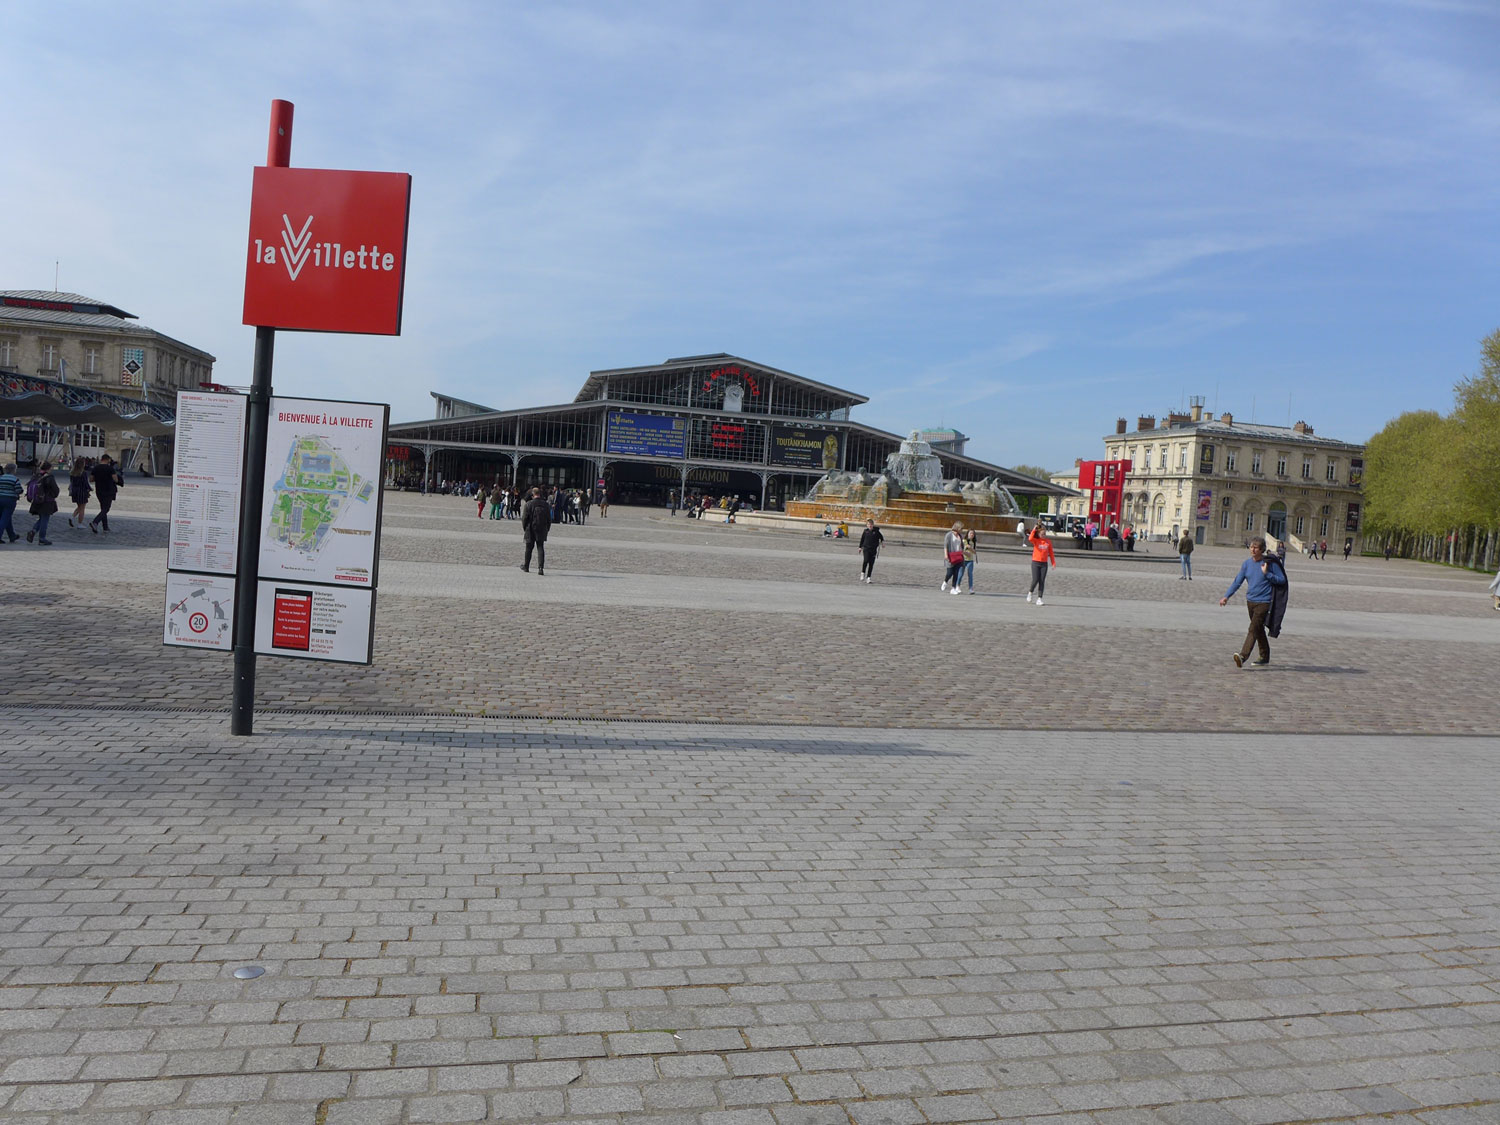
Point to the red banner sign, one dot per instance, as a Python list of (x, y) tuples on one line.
[(327, 250)]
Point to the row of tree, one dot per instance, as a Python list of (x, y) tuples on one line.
[(1432, 481)]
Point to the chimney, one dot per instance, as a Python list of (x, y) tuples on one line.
[(1209, 416), (1120, 425), (1145, 422), (1175, 419), (1303, 428), (1227, 418), (1196, 406)]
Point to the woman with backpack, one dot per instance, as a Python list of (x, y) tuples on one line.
[(42, 492), (79, 491)]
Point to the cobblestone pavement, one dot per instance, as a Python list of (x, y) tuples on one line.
[(645, 617), (465, 919), (823, 908)]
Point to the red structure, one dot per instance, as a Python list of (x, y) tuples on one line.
[(1105, 483)]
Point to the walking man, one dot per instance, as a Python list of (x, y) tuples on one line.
[(536, 522), (107, 481), (1260, 575), (869, 546)]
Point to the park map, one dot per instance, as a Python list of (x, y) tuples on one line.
[(315, 488)]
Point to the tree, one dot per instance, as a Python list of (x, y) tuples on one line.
[(1032, 505)]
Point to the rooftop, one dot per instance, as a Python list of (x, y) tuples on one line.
[(74, 310), (1243, 431)]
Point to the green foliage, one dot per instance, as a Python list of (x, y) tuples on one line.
[(1431, 479), (1032, 505)]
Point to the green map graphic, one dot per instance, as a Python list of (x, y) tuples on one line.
[(315, 488)]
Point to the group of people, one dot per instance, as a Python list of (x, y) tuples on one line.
[(564, 505), (960, 553), (698, 507), (1121, 539), (87, 480)]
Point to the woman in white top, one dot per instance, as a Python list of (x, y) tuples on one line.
[(953, 556)]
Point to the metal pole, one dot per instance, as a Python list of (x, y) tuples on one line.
[(242, 715)]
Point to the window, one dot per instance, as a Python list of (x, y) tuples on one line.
[(1327, 509), (50, 355), (1307, 468), (1301, 522), (7, 352), (1161, 458), (1224, 521), (1324, 530), (1177, 512), (1333, 470), (1281, 464), (1249, 521), (1255, 462), (1182, 459), (93, 359), (1229, 459)]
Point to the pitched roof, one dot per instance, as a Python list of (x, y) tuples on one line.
[(74, 310), (1243, 431), (591, 384)]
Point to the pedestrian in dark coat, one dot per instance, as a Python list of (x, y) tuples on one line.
[(535, 524), (107, 481), (43, 502)]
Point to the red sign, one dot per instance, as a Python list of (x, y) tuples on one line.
[(291, 623), (327, 250)]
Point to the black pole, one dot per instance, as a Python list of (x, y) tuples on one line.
[(242, 717)]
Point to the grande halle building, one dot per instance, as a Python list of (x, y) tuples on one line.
[(715, 424)]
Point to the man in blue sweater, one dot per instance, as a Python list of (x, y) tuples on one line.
[(1258, 575)]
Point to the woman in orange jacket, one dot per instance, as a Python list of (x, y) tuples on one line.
[(1041, 558)]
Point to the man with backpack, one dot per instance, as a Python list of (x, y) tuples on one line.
[(536, 522), (42, 493)]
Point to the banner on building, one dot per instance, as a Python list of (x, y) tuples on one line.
[(645, 435), (1356, 472), (797, 447), (1351, 520), (132, 367), (1205, 503)]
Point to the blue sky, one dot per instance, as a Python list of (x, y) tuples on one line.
[(1020, 219)]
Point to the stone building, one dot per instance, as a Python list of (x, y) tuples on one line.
[(1228, 480), (77, 374)]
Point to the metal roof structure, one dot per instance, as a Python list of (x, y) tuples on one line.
[(41, 307), (66, 404), (593, 384)]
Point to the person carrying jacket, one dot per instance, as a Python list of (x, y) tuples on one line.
[(536, 522), (1260, 575), (1042, 557)]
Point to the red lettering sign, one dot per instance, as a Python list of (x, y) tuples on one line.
[(327, 250)]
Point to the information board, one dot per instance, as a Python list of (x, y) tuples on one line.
[(648, 435), (320, 518), (802, 448), (208, 463), (200, 611), (314, 622)]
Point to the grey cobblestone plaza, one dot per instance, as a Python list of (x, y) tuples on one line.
[(697, 828)]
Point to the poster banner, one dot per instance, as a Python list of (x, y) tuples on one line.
[(200, 611), (208, 463), (132, 367), (646, 435), (1351, 518), (1356, 471), (315, 622), (320, 519), (800, 448), (1205, 503)]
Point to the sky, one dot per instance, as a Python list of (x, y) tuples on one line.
[(1020, 219)]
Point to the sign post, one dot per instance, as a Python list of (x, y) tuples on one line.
[(242, 714), (326, 253)]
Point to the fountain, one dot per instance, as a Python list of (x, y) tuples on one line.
[(911, 492)]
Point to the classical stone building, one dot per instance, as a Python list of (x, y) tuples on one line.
[(1227, 480), (77, 374)]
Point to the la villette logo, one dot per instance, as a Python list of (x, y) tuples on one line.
[(297, 249)]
